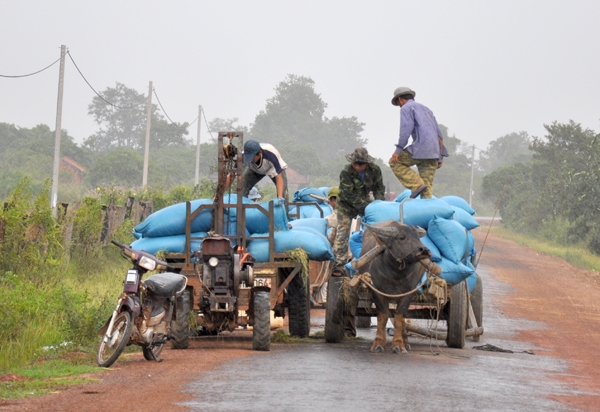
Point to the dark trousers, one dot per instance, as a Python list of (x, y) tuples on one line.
[(250, 178)]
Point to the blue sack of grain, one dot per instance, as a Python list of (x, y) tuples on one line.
[(304, 195), (414, 212), (312, 242), (173, 244), (436, 256), (465, 219), (404, 195), (325, 191), (454, 273), (450, 237), (310, 211), (472, 250), (136, 235), (316, 223), (355, 243), (471, 280), (258, 222), (231, 198), (459, 202), (171, 220)]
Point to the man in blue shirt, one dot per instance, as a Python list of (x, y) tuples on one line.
[(427, 149)]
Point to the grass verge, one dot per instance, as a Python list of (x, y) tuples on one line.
[(43, 377), (577, 255)]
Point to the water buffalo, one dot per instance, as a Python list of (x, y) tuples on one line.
[(394, 271)]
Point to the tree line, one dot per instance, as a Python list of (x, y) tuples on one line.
[(293, 120)]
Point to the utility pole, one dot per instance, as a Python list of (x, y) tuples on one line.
[(472, 172), (147, 148), (197, 175), (61, 83)]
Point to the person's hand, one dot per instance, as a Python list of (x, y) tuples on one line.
[(440, 164), (394, 158)]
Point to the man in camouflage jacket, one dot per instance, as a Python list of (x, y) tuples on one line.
[(357, 181)]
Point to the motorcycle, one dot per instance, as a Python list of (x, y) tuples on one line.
[(144, 311)]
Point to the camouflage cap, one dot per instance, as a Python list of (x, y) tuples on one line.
[(360, 155)]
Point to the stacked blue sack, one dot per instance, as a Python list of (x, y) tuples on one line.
[(448, 221), (314, 243), (164, 230)]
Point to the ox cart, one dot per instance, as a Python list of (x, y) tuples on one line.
[(434, 300)]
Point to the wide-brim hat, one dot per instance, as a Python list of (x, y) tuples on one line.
[(251, 149), (360, 155), (402, 91)]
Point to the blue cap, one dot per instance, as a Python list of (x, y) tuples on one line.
[(251, 149)]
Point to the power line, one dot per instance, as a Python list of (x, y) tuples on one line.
[(31, 74), (206, 123), (165, 112), (98, 94)]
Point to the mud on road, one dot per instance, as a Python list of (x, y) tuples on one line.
[(532, 302)]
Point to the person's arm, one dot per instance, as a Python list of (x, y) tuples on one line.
[(279, 185), (378, 187)]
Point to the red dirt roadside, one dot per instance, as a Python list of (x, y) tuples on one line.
[(546, 289)]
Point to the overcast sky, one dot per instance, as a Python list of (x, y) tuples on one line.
[(485, 68)]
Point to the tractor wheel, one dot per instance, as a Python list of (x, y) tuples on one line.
[(180, 326), (299, 307), (477, 304), (457, 316), (334, 333), (261, 331)]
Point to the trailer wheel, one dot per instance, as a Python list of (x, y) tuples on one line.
[(299, 307), (363, 322), (334, 333), (261, 331), (457, 316), (477, 304), (180, 326)]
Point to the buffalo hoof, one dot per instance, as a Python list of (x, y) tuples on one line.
[(407, 346), (397, 350), (377, 349)]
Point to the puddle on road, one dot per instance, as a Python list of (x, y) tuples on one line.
[(317, 376)]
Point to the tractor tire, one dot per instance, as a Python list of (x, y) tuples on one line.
[(180, 326), (363, 322), (261, 331), (298, 307), (334, 333), (477, 304), (457, 316), (109, 351)]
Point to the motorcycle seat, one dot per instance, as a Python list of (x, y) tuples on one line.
[(165, 284)]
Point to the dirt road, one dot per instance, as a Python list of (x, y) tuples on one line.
[(532, 302)]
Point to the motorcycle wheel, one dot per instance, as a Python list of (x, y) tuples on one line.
[(110, 349), (156, 350)]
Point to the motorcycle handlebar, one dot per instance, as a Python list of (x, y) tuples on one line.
[(139, 253)]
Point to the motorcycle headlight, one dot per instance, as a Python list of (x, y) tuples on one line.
[(213, 261), (147, 263)]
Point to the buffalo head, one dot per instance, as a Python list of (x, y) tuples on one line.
[(401, 240)]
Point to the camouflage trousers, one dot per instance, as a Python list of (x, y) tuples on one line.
[(340, 245), (411, 179)]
